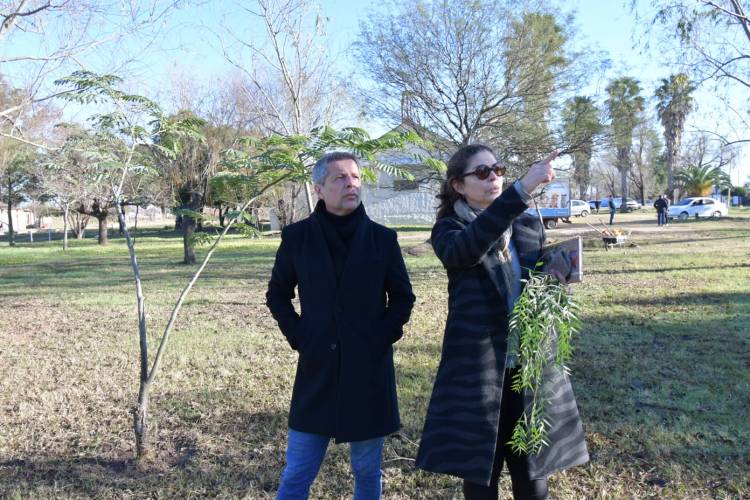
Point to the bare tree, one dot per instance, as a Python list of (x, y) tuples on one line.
[(492, 71), (714, 36), (43, 40), (605, 175), (289, 82), (648, 170), (710, 40)]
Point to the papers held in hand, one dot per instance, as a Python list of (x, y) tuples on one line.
[(564, 260)]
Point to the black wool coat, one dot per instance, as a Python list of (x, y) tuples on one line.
[(345, 384), (461, 427)]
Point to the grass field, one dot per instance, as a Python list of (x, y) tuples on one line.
[(660, 370)]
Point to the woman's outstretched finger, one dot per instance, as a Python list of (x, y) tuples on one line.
[(554, 154)]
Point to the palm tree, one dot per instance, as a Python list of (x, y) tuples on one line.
[(675, 103), (699, 180), (625, 105), (581, 124)]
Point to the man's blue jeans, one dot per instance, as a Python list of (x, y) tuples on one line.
[(305, 453)]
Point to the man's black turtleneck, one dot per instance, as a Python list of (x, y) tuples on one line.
[(339, 231)]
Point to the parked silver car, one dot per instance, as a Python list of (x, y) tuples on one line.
[(697, 207), (630, 203), (579, 208)]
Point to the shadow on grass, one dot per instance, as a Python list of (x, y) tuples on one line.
[(660, 270), (697, 240), (665, 385), (248, 465), (725, 299)]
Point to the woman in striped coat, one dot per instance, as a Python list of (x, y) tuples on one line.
[(486, 243)]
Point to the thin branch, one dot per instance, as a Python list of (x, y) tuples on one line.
[(26, 141), (10, 19), (189, 286)]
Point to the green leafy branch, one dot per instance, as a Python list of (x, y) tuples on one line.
[(297, 154), (542, 325)]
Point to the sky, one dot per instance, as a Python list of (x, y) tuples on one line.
[(190, 48)]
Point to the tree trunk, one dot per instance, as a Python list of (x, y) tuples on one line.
[(222, 215), (624, 155), (188, 227), (308, 197), (140, 412), (119, 221), (65, 228), (670, 173), (11, 233), (103, 237), (729, 197), (140, 422)]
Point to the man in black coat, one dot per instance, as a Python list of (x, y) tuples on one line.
[(355, 297), (662, 206)]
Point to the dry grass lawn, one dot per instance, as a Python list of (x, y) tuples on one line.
[(660, 370)]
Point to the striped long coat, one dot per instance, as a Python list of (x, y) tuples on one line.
[(461, 428)]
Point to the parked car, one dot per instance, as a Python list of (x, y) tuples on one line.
[(697, 207), (630, 203), (579, 208)]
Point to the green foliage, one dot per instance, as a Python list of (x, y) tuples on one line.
[(740, 191), (116, 151), (230, 187), (248, 230), (625, 105), (193, 214), (295, 155), (674, 101), (580, 125), (17, 178), (201, 239), (543, 322), (174, 134), (530, 433), (699, 180), (86, 87)]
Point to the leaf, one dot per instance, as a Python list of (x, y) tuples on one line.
[(200, 239), (193, 214), (540, 330)]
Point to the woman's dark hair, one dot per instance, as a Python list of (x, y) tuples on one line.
[(456, 166)]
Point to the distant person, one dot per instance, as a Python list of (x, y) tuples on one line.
[(661, 205), (355, 297), (597, 204), (612, 209)]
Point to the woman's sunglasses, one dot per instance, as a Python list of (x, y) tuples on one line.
[(483, 171)]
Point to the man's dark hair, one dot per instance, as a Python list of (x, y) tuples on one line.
[(320, 170)]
